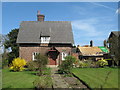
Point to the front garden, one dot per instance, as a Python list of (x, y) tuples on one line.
[(22, 79), (76, 74), (32, 74), (91, 74)]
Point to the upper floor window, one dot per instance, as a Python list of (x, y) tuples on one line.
[(45, 39)]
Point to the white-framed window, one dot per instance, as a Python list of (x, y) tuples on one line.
[(64, 54), (33, 55), (45, 39)]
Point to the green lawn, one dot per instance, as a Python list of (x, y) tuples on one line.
[(95, 77), (22, 79), (0, 79)]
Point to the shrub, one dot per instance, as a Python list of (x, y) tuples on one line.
[(47, 71), (18, 64), (76, 63), (32, 65), (42, 62), (43, 82), (83, 64), (102, 63), (87, 63), (67, 64)]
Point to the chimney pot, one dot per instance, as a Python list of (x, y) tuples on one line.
[(38, 12), (40, 17)]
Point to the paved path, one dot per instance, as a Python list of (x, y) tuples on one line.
[(58, 82)]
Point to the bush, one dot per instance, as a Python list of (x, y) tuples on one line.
[(47, 71), (18, 64), (43, 82), (76, 63), (42, 62), (32, 65), (82, 64), (67, 64), (101, 63), (87, 63)]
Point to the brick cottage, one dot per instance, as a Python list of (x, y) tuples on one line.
[(51, 38)]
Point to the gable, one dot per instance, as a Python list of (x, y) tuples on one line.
[(114, 33)]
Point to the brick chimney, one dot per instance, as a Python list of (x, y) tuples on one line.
[(40, 17), (105, 43), (91, 43)]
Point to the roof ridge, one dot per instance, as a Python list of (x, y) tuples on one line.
[(46, 21)]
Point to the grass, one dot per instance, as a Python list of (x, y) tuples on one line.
[(95, 77), (22, 79), (0, 79)]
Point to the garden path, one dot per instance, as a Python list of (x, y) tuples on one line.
[(58, 82)]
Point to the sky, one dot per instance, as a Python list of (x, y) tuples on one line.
[(90, 20)]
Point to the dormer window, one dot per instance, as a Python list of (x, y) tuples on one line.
[(45, 39)]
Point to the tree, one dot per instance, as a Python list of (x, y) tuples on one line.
[(3, 51), (3, 38), (11, 43), (42, 62)]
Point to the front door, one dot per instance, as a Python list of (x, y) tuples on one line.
[(53, 57)]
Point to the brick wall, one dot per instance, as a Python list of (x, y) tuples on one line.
[(26, 52)]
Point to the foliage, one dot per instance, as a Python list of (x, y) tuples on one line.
[(47, 71), (90, 63), (87, 63), (67, 64), (76, 63), (11, 43), (107, 59), (4, 59), (102, 63), (32, 65), (43, 82), (3, 38), (83, 64), (42, 62), (18, 64)]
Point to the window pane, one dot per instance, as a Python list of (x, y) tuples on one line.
[(45, 39)]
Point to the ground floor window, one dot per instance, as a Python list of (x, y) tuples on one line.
[(64, 54), (34, 54)]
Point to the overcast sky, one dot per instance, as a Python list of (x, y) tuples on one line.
[(90, 20)]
